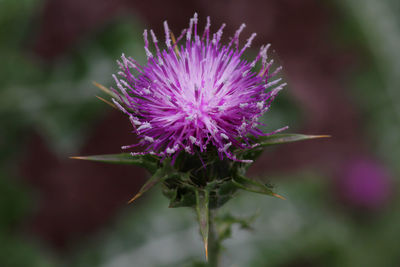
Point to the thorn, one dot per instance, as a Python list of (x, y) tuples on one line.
[(261, 72), (103, 88), (174, 44), (321, 136), (206, 249), (278, 196), (134, 198), (79, 157), (107, 102)]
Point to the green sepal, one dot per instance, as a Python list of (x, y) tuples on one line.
[(148, 162), (179, 189), (221, 192), (203, 215), (183, 198), (253, 186)]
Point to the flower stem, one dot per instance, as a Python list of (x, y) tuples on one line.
[(214, 246)]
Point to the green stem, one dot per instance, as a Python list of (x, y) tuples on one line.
[(214, 247)]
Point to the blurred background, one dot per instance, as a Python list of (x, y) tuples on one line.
[(342, 63)]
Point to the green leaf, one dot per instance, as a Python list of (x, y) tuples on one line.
[(202, 199), (157, 177), (253, 186), (146, 161), (286, 138), (275, 139)]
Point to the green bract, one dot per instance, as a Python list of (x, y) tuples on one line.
[(203, 182)]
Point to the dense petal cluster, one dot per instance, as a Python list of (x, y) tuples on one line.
[(197, 94)]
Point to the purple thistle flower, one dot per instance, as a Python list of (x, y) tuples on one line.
[(202, 93)]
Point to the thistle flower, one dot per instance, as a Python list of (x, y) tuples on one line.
[(189, 97), (192, 98)]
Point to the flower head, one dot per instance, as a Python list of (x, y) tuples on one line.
[(190, 96)]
